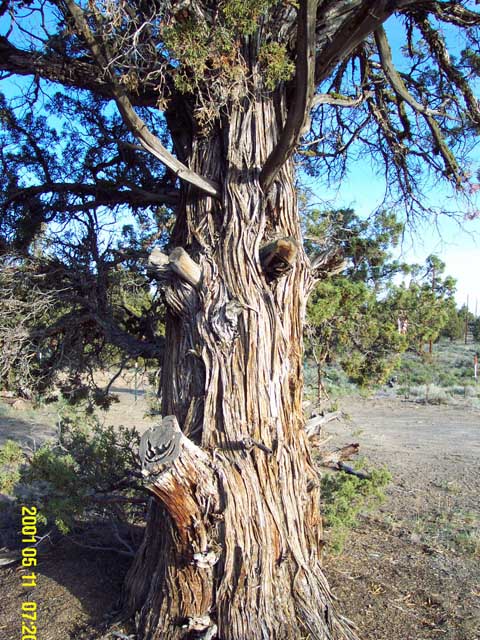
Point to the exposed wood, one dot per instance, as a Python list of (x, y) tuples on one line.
[(314, 425), (332, 458), (278, 257), (152, 144), (185, 267), (157, 264), (304, 90), (318, 443), (160, 445), (340, 101), (328, 262)]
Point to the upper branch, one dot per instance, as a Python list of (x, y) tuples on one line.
[(340, 101), (304, 89), (399, 87), (452, 12), (147, 139), (341, 28), (66, 71)]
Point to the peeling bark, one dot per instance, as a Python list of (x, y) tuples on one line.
[(245, 562)]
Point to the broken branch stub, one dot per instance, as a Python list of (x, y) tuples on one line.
[(181, 263), (181, 475), (177, 262), (278, 257), (157, 264), (160, 445)]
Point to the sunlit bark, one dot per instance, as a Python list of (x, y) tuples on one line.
[(233, 378)]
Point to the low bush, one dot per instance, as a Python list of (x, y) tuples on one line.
[(90, 476), (345, 497)]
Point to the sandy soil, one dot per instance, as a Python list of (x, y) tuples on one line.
[(410, 571)]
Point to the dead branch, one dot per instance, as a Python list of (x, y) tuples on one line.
[(353, 472), (332, 458), (314, 425)]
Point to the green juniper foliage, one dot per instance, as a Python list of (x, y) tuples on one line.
[(91, 474), (345, 497), (11, 458)]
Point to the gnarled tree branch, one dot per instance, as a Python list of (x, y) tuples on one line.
[(137, 126), (340, 101), (304, 90), (102, 192), (399, 87), (66, 71), (342, 28)]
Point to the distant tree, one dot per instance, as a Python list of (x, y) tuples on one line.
[(476, 329), (200, 107), (348, 318), (454, 328), (425, 302)]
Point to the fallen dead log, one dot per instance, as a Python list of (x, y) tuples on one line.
[(315, 424), (333, 458)]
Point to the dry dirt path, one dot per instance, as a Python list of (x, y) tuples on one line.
[(411, 571)]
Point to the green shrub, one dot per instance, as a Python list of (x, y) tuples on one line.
[(344, 497), (11, 457), (91, 474)]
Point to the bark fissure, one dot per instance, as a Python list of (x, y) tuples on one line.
[(245, 330)]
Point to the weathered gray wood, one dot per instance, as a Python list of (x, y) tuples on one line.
[(314, 425), (181, 263), (157, 264), (160, 445)]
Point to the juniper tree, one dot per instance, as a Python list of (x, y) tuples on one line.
[(200, 107)]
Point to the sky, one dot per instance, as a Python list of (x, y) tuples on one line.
[(455, 242)]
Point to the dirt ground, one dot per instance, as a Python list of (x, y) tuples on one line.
[(409, 571)]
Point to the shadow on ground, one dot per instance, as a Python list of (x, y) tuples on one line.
[(24, 432)]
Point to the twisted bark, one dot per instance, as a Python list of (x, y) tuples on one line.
[(244, 562)]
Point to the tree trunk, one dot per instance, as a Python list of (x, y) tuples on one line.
[(233, 540)]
